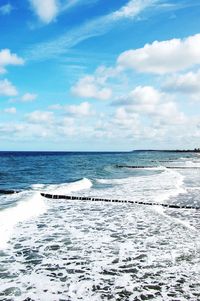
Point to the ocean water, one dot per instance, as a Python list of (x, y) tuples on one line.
[(72, 250)]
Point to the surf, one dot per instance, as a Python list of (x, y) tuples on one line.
[(30, 204)]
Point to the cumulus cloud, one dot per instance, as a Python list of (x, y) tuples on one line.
[(6, 9), (187, 83), (145, 95), (89, 87), (11, 128), (84, 109), (25, 131), (163, 57), (40, 117), (126, 119), (46, 10), (159, 106), (11, 110), (7, 88), (27, 97), (8, 58)]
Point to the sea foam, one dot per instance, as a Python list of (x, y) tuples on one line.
[(31, 204)]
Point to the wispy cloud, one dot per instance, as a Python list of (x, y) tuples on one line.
[(92, 28), (11, 110), (132, 9), (67, 4), (6, 9)]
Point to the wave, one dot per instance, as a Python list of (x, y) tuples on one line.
[(192, 162), (175, 187), (64, 188), (157, 187), (31, 204)]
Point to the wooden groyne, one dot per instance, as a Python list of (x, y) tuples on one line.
[(5, 191), (150, 166), (80, 198)]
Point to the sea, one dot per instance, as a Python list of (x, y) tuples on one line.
[(70, 250)]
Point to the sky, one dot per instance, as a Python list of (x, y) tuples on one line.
[(96, 75)]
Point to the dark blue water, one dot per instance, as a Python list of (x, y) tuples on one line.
[(75, 250), (18, 170)]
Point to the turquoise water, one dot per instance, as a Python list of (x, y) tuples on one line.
[(77, 250)]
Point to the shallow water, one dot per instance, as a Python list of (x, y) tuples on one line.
[(78, 250)]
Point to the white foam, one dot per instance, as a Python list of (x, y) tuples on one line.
[(175, 179), (86, 250), (185, 224), (113, 181), (194, 188), (190, 163), (156, 188), (37, 186), (31, 205), (65, 187)]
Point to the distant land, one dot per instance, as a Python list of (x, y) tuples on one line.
[(196, 150)]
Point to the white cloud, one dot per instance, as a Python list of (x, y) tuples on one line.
[(11, 128), (7, 88), (2, 70), (163, 57), (8, 58), (27, 97), (88, 87), (40, 117), (145, 95), (149, 102), (46, 10), (84, 109), (6, 9), (67, 4), (126, 119), (68, 122), (56, 106), (11, 110), (25, 131), (187, 83), (132, 8), (92, 28)]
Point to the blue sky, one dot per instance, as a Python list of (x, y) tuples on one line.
[(99, 75)]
